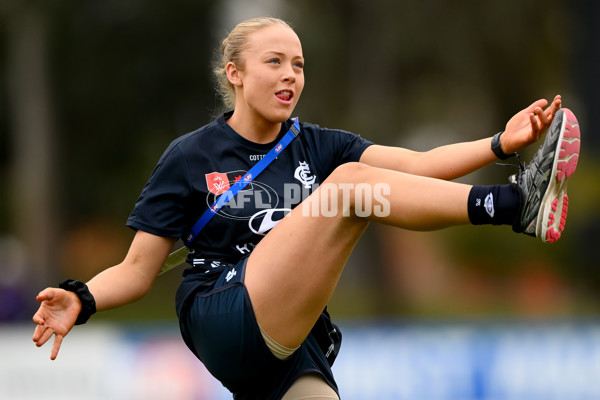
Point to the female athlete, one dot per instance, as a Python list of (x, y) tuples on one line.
[(252, 304)]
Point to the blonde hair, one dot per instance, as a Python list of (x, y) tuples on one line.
[(231, 50)]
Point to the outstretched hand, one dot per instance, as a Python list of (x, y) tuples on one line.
[(528, 125), (56, 316)]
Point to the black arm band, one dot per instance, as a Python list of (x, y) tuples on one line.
[(88, 304), (497, 148)]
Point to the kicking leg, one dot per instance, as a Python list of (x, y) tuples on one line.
[(293, 271)]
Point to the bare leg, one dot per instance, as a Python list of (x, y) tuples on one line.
[(310, 387), (294, 270)]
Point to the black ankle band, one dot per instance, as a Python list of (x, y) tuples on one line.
[(496, 205)]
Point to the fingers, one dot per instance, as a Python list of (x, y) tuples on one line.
[(543, 117), (557, 102), (548, 114), (37, 318), (56, 346), (42, 331), (541, 103), (45, 295), (535, 126), (555, 106), (45, 336), (41, 335), (37, 333)]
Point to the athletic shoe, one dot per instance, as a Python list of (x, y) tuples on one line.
[(543, 182)]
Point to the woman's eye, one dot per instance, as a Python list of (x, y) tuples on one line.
[(274, 61), (299, 64)]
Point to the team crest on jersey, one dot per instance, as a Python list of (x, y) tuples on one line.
[(305, 175), (217, 182), (220, 182)]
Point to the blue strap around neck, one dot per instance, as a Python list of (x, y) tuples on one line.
[(243, 181)]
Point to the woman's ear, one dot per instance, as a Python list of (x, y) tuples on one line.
[(233, 74)]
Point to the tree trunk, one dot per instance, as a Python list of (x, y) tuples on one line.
[(33, 205)]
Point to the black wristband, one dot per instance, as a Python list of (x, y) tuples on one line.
[(88, 304), (497, 148)]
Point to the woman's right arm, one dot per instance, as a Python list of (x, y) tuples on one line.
[(116, 286), (131, 279)]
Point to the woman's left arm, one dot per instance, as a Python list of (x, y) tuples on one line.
[(456, 160)]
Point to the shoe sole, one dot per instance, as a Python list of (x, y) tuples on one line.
[(555, 203)]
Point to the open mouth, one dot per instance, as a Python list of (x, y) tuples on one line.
[(285, 95)]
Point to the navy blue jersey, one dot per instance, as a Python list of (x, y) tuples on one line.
[(200, 165), (193, 171)]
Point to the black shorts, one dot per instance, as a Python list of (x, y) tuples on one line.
[(218, 324)]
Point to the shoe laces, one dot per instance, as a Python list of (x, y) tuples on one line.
[(520, 166)]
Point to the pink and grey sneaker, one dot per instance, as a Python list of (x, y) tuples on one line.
[(543, 182)]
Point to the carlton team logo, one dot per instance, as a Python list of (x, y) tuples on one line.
[(305, 175)]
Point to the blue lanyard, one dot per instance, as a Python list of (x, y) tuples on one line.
[(243, 181)]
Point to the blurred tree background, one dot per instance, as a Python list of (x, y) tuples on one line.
[(93, 92)]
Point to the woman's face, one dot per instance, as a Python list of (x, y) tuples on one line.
[(271, 79)]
